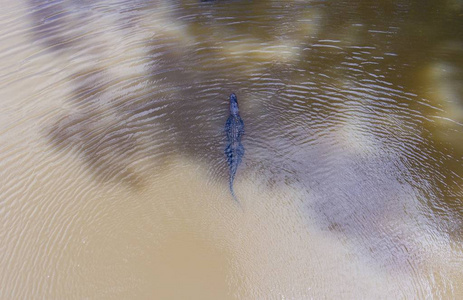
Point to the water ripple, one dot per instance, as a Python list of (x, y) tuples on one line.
[(112, 145)]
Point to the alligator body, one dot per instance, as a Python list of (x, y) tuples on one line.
[(234, 150)]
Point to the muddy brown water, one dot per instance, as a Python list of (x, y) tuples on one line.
[(113, 180)]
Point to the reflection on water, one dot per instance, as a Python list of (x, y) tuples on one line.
[(113, 179)]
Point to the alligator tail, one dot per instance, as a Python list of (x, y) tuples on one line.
[(233, 168), (232, 191), (234, 159)]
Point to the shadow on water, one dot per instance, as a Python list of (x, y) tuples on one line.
[(329, 94)]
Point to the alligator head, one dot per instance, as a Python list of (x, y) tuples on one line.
[(234, 105)]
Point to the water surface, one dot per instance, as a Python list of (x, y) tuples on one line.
[(113, 180)]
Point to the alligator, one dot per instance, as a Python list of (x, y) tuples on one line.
[(234, 127)]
